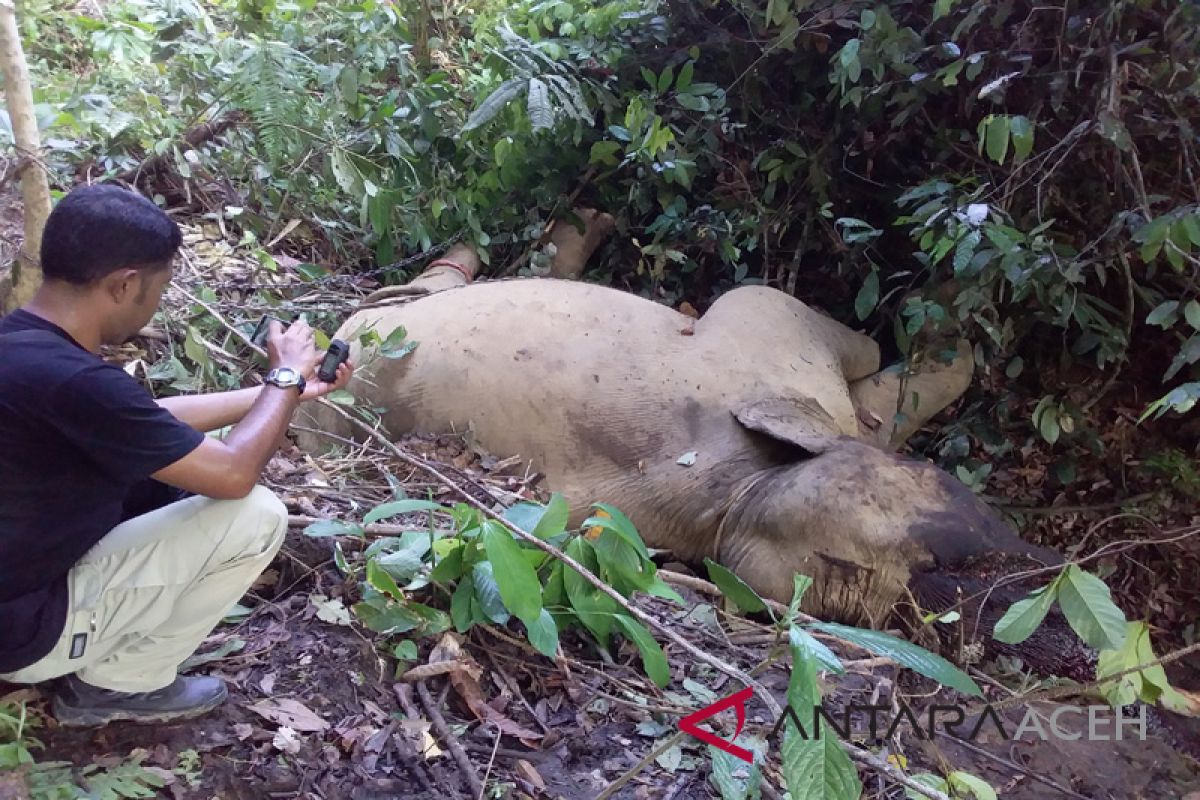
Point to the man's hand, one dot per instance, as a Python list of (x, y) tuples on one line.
[(318, 388), (295, 348)]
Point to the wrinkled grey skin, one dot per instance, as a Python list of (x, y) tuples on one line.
[(603, 392)]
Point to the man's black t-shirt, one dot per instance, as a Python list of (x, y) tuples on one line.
[(79, 439)]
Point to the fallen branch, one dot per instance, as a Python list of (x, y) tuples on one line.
[(375, 529), (192, 138), (451, 742)]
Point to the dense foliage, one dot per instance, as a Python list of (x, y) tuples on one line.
[(1022, 175)]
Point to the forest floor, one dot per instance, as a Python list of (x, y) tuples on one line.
[(318, 710)]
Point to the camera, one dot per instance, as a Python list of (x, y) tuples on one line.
[(335, 356)]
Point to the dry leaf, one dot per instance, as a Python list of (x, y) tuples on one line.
[(267, 684), (527, 771), (290, 713), (243, 731), (418, 731), (286, 740)]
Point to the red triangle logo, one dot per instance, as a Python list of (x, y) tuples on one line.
[(738, 702)]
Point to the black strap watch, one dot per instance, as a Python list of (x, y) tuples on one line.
[(285, 377)]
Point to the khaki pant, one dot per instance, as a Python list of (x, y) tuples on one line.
[(150, 591)]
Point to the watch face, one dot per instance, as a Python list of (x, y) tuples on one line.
[(286, 374)]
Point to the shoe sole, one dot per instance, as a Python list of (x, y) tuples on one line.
[(69, 717)]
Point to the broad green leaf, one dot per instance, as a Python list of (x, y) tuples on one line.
[(734, 588), (868, 296), (382, 580), (348, 83), (594, 608), (813, 768), (654, 660), (1087, 604), (543, 634), (386, 617), (1191, 312), (815, 648), (927, 780), (487, 593), (332, 527), (450, 566), (554, 520), (963, 782), (519, 585), (1191, 225), (494, 103), (685, 78), (997, 138), (1164, 314), (619, 524), (904, 653), (665, 79), (397, 507), (405, 650), (1024, 616), (460, 604), (624, 568), (1022, 137)]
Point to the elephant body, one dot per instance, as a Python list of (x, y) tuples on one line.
[(736, 436)]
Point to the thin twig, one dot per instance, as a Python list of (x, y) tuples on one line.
[(1015, 767), (616, 785), (487, 773), (451, 742)]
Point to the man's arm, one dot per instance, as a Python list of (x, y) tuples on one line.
[(210, 412), (229, 469), (216, 410)]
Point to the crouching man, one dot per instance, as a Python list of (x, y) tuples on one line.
[(109, 581)]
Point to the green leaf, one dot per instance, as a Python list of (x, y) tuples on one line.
[(332, 527), (868, 296), (554, 520), (815, 648), (734, 588), (904, 653), (519, 585), (1087, 604), (541, 114), (867, 21), (543, 634), (1022, 137), (594, 608), (619, 524), (654, 660), (397, 507), (1191, 312), (800, 585), (685, 78), (460, 605), (494, 103), (487, 593), (406, 650), (966, 782), (449, 567), (348, 83), (1191, 226), (383, 616), (1163, 315), (382, 580), (665, 79), (997, 137), (1024, 616), (813, 768)]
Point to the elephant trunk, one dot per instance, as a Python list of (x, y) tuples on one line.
[(979, 591)]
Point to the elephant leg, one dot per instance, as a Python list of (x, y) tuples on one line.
[(572, 249), (457, 268), (917, 394)]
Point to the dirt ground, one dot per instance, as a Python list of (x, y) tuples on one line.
[(316, 711)]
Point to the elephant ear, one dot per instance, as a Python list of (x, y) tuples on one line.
[(801, 421)]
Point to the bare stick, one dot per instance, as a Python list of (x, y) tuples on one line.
[(443, 732)]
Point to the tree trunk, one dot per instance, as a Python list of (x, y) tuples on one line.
[(35, 190)]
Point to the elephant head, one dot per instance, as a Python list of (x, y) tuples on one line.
[(865, 524)]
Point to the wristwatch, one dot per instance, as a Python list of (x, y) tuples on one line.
[(285, 377)]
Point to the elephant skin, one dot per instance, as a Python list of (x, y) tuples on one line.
[(605, 393)]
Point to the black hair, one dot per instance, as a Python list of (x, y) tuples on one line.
[(96, 230)]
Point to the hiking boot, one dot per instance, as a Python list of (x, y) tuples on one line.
[(78, 704)]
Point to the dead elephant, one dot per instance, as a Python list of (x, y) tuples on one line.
[(751, 435)]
